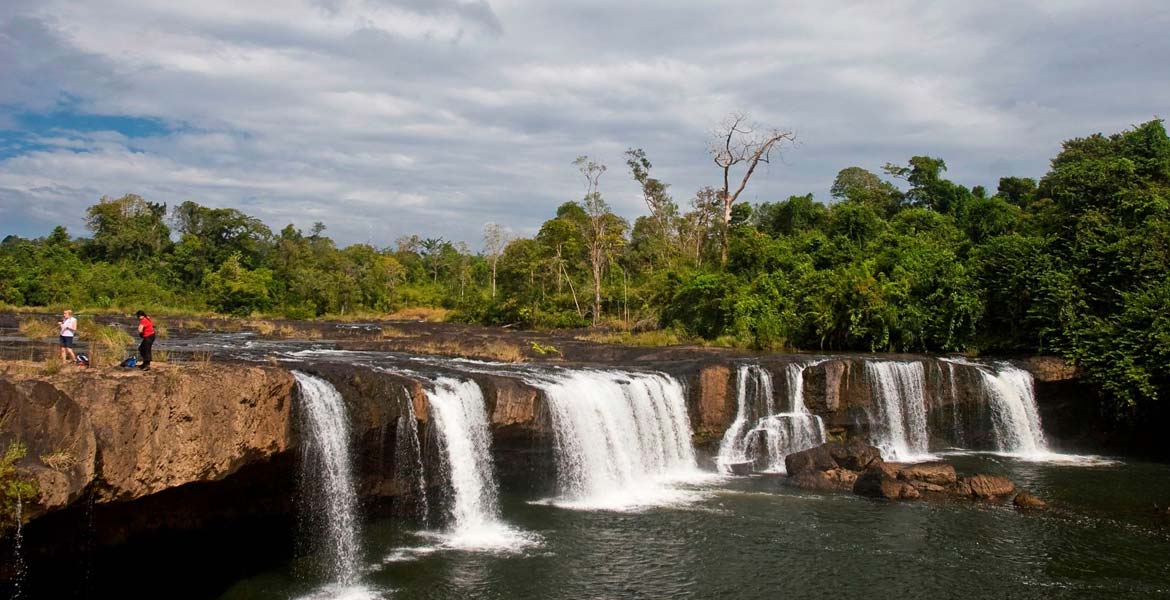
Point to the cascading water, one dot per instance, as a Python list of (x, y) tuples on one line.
[(1014, 415), (899, 425), (328, 473), (461, 424), (18, 565), (408, 458), (751, 404), (775, 434), (621, 438)]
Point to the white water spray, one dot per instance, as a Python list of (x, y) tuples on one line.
[(622, 439), (1014, 415), (775, 434), (408, 457), (899, 400), (461, 422), (328, 470), (733, 446)]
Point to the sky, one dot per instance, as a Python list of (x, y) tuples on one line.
[(384, 118)]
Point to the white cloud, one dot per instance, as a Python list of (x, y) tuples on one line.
[(388, 117)]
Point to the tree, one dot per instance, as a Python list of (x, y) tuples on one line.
[(735, 142), (128, 228), (663, 210), (495, 239), (602, 231)]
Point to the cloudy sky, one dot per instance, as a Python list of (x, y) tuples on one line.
[(389, 117)]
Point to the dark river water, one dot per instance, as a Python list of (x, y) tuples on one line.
[(755, 538)]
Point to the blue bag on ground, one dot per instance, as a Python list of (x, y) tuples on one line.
[(129, 362)]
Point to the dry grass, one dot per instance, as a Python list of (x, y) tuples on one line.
[(36, 329), (489, 350), (202, 357), (193, 325), (260, 326), (390, 333), (108, 345), (420, 313), (661, 337), (268, 328), (59, 461)]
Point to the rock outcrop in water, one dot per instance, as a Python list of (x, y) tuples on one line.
[(858, 467)]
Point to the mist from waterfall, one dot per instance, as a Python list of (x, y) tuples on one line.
[(622, 440)]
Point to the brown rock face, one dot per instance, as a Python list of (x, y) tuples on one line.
[(875, 482), (936, 473), (1026, 501), (152, 431), (984, 487), (716, 399)]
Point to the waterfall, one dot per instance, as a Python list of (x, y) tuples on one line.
[(328, 474), (461, 424), (775, 434), (956, 411), (733, 446), (621, 438), (18, 565), (408, 457), (900, 403), (1014, 415)]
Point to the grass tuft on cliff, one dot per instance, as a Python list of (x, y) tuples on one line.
[(14, 489)]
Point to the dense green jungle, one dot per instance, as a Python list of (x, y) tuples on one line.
[(1073, 264)]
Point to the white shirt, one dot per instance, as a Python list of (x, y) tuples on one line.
[(68, 326)]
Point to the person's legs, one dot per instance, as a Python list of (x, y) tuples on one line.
[(144, 350), (67, 349)]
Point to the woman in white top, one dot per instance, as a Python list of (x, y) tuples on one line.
[(68, 326)]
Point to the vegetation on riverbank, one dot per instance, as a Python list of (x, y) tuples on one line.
[(1077, 263)]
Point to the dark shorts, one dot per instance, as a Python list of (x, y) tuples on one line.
[(66, 341)]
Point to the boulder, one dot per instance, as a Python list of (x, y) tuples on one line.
[(1026, 501), (876, 483), (853, 455), (833, 480), (935, 473), (741, 468), (984, 487)]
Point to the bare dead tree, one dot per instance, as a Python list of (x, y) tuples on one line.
[(495, 239), (739, 141)]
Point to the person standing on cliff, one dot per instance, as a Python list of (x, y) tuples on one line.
[(146, 331), (68, 326)]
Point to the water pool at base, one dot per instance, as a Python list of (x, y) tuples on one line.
[(755, 538)]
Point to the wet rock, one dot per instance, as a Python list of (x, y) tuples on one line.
[(741, 468), (1025, 500), (833, 480), (875, 482), (936, 473), (852, 455), (716, 400), (984, 487)]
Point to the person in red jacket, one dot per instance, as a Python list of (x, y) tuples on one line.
[(146, 330)]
